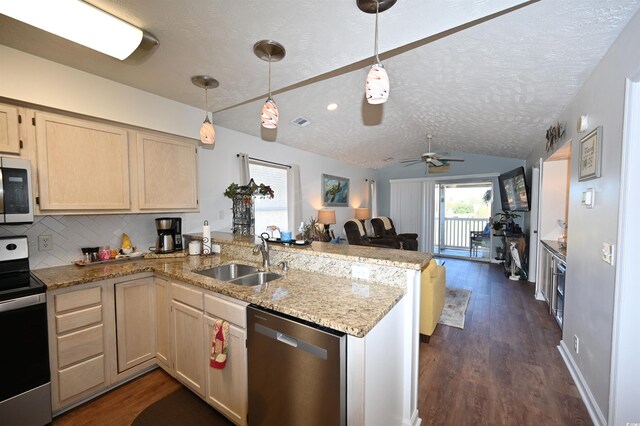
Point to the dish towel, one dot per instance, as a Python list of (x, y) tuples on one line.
[(220, 343)]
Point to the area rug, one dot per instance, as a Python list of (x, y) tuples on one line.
[(181, 407), (455, 307)]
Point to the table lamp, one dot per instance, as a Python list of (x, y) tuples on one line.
[(327, 217)]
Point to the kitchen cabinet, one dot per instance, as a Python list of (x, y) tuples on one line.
[(135, 322), (167, 173), (82, 165), (9, 134), (187, 322), (226, 389), (163, 329), (77, 342)]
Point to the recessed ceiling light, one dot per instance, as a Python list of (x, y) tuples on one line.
[(332, 107)]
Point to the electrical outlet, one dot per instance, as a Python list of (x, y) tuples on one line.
[(576, 344), (45, 243), (360, 271)]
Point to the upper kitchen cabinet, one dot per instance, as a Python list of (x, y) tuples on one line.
[(9, 136), (167, 169), (82, 165)]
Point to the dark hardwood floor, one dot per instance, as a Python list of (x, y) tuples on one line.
[(504, 368)]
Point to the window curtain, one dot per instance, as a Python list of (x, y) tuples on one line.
[(244, 168), (372, 201), (295, 198)]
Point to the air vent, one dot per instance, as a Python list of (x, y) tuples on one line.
[(301, 122)]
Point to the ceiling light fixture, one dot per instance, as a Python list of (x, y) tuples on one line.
[(81, 23), (207, 132), (270, 51), (332, 107), (377, 84)]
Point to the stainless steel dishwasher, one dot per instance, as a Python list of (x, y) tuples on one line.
[(297, 371)]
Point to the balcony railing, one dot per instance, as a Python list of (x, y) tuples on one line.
[(456, 231)]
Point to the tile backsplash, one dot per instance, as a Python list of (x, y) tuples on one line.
[(70, 233)]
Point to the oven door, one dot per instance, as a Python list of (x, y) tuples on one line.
[(16, 203), (25, 391)]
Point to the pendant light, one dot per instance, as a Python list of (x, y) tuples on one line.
[(207, 132), (377, 84), (270, 51)]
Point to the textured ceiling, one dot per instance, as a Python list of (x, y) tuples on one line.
[(484, 79)]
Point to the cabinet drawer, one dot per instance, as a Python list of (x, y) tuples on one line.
[(79, 378), (187, 295), (80, 345), (77, 299), (225, 310), (78, 319)]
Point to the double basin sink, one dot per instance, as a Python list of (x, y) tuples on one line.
[(239, 274)]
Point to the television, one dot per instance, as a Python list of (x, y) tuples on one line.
[(514, 192)]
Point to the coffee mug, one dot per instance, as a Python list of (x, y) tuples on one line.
[(285, 236), (194, 247)]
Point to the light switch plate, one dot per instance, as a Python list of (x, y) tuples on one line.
[(588, 198), (608, 253)]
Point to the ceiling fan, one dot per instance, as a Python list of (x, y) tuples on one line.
[(431, 157)]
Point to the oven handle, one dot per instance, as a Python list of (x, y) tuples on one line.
[(22, 302), (1, 194)]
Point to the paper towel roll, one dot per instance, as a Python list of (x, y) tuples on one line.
[(206, 238)]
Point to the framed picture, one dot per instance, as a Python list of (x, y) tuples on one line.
[(591, 155), (335, 191)]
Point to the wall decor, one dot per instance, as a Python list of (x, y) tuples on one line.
[(591, 155), (335, 191), (555, 134)]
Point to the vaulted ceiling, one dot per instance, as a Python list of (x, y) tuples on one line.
[(484, 76)]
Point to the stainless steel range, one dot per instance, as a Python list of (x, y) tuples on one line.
[(25, 388)]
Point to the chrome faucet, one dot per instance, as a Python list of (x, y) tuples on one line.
[(264, 249)]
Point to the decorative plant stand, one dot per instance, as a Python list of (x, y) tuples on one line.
[(243, 215)]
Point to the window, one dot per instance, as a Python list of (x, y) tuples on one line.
[(271, 211)]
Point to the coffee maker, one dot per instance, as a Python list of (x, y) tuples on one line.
[(169, 237)]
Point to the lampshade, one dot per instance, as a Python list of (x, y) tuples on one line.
[(327, 217), (377, 85), (363, 213), (81, 23), (207, 132), (269, 115)]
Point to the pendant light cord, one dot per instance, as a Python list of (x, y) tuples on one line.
[(206, 99), (376, 38), (269, 76)]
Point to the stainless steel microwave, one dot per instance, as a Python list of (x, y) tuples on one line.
[(16, 203)]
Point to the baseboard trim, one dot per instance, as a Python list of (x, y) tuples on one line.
[(414, 421), (540, 296), (585, 392)]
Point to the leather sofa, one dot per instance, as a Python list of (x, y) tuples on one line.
[(356, 235), (384, 227), (432, 293)]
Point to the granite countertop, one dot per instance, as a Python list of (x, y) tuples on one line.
[(406, 259), (344, 304), (555, 248)]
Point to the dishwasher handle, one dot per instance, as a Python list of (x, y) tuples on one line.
[(298, 344)]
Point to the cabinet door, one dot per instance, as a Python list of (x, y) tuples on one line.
[(81, 165), (162, 323), (135, 322), (9, 136), (227, 387), (167, 173), (188, 359)]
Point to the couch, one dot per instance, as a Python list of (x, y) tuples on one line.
[(383, 227), (357, 235), (432, 292)]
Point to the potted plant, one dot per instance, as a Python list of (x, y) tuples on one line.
[(506, 219), (243, 207)]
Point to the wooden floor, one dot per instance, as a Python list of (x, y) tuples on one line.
[(504, 368)]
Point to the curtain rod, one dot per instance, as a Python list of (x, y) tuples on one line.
[(268, 162)]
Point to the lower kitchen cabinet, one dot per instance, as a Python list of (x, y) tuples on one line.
[(135, 322), (163, 328), (227, 388)]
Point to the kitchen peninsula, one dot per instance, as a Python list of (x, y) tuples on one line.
[(378, 312)]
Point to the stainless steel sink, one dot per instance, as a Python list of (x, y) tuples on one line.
[(256, 279), (228, 272)]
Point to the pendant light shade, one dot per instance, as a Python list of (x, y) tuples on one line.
[(270, 51), (269, 115), (377, 84), (207, 132)]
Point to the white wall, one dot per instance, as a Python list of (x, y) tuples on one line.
[(591, 284), (553, 199), (30, 79)]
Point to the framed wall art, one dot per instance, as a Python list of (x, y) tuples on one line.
[(335, 191), (591, 155)]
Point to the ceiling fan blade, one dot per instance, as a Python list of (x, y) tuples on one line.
[(450, 159), (435, 162), (411, 163), (411, 160)]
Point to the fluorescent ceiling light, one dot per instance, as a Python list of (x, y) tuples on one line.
[(79, 22)]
